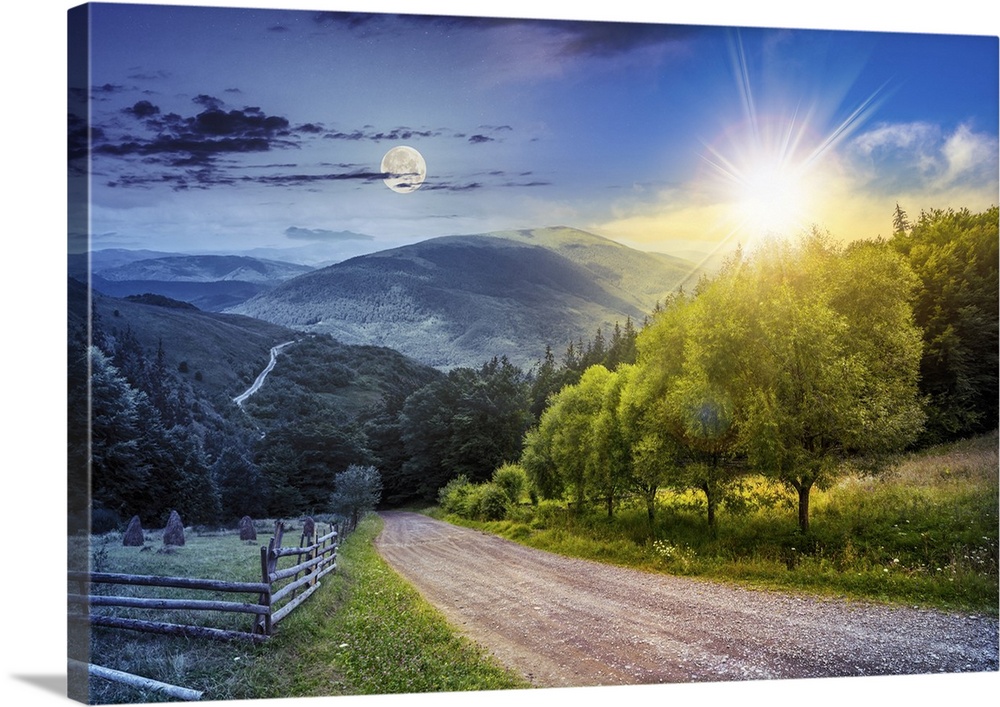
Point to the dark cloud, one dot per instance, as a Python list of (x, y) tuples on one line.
[(150, 76), (250, 122), (536, 183), (605, 39), (79, 137), (192, 144), (278, 28), (291, 180), (444, 186), (208, 101), (478, 139), (395, 135), (576, 37), (321, 234), (143, 109), (190, 148)]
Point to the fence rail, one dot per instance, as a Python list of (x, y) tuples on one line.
[(278, 593)]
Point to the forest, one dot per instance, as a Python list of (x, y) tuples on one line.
[(800, 361)]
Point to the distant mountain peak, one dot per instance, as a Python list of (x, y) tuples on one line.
[(461, 300)]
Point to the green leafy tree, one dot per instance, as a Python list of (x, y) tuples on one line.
[(653, 452), (242, 490), (955, 256), (468, 423), (298, 460), (559, 454), (818, 352), (358, 489), (537, 459), (609, 454), (683, 400), (900, 221), (121, 468)]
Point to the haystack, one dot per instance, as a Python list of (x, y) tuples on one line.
[(173, 534), (133, 534)]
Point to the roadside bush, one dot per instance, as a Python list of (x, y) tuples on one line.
[(488, 502), (513, 479), (453, 497)]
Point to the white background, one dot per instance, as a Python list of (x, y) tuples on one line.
[(32, 367)]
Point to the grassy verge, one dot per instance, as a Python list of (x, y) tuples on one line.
[(371, 633), (925, 534), (365, 632)]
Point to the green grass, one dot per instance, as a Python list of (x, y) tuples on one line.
[(364, 632), (924, 534)]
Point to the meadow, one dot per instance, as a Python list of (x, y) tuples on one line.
[(924, 533), (365, 632)]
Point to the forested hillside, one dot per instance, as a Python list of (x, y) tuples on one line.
[(797, 361), (460, 301)]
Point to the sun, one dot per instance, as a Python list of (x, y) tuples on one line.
[(771, 198), (775, 170), (767, 190)]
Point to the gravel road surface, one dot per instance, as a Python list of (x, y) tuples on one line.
[(563, 622)]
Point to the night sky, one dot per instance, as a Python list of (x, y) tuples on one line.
[(224, 129)]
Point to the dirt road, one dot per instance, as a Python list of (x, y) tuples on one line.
[(563, 622)]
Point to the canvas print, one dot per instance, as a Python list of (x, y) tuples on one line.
[(418, 353)]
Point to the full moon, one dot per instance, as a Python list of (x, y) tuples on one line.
[(406, 169)]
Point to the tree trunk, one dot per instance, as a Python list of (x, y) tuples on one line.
[(710, 498), (803, 489), (611, 510)]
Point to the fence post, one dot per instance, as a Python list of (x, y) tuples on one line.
[(262, 624)]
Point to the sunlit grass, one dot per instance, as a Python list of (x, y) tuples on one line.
[(925, 533)]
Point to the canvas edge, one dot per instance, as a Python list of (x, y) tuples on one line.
[(78, 377)]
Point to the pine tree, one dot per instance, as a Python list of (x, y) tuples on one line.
[(900, 222)]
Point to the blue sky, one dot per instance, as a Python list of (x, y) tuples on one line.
[(227, 128)]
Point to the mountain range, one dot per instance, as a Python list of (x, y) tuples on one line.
[(460, 300), (210, 282)]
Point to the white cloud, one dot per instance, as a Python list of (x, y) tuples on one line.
[(923, 157), (968, 155)]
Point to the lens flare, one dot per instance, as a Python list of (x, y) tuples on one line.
[(771, 169)]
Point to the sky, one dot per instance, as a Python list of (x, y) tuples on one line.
[(226, 129)]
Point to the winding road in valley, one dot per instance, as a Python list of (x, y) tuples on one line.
[(564, 622), (239, 399)]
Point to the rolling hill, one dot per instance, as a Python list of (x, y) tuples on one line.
[(210, 282), (460, 300), (223, 353)]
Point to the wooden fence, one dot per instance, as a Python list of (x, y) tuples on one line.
[(278, 593)]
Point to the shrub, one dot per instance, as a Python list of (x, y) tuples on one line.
[(492, 502), (453, 496), (513, 479)]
